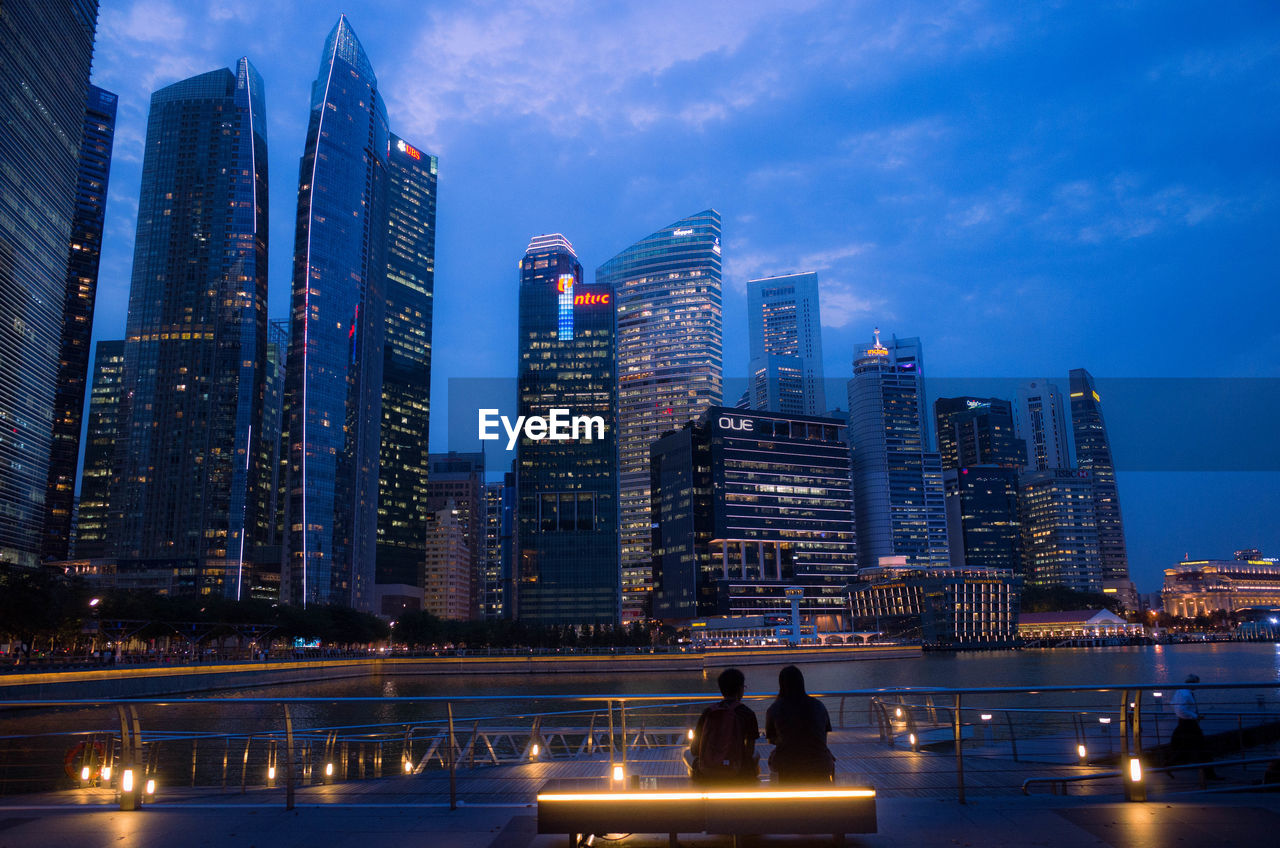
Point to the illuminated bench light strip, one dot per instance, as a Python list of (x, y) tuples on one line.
[(708, 796)]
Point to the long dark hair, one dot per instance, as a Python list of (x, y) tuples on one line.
[(790, 683)]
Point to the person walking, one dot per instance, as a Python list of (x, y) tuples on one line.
[(723, 747), (1187, 742), (797, 724)]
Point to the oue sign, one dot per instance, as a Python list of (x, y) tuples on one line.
[(746, 425)]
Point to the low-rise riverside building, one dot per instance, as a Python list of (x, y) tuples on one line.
[(1075, 625), (1202, 587), (966, 607)]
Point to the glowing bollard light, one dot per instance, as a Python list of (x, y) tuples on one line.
[(128, 795), (126, 780), (897, 713), (1104, 720), (911, 739), (408, 767), (619, 774), (533, 752), (84, 774), (690, 734), (271, 772), (1135, 789), (1083, 753), (150, 788), (328, 769), (106, 774)]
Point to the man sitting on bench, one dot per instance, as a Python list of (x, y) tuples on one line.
[(723, 749)]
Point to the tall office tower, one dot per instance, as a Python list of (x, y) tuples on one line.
[(1043, 424), (786, 344), (45, 52), (567, 518), (1060, 530), (492, 577), (670, 363), (333, 393), (984, 525), (899, 505), (1093, 453), (456, 480), (196, 338), (93, 529), (977, 431), (446, 568), (269, 468), (406, 364), (77, 319), (746, 505)]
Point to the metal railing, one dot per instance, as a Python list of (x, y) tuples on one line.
[(916, 741)]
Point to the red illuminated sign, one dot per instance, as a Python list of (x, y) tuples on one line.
[(590, 299), (565, 283)]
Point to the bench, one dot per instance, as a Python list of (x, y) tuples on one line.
[(674, 806)]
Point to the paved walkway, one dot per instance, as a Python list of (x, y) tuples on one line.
[(1237, 821)]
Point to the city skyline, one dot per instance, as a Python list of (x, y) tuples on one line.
[(1092, 207)]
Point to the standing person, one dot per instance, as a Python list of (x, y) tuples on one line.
[(797, 724), (723, 747), (1187, 742)]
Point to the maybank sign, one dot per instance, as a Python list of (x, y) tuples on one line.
[(558, 426)]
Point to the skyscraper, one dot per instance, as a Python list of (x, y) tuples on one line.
[(333, 396), (196, 336), (984, 524), (567, 517), (977, 431), (406, 364), (269, 467), (492, 570), (670, 363), (899, 504), (1041, 421), (77, 318), (785, 326), (1060, 530), (455, 480), (45, 52), (1093, 453), (93, 529)]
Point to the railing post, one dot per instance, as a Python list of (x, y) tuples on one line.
[(289, 764), (453, 780), (622, 713), (612, 755), (955, 725), (1013, 739)]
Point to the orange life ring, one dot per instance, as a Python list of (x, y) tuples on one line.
[(71, 763)]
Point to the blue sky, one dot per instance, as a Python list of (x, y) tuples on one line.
[(1027, 187)]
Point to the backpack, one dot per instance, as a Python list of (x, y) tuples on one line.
[(721, 746)]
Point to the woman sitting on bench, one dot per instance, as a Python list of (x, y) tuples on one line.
[(797, 724)]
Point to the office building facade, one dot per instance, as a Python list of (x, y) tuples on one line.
[(1093, 454), (45, 54), (456, 481), (984, 522), (899, 502), (747, 504), (670, 363), (77, 319), (104, 429), (493, 564), (977, 431), (1043, 424), (943, 607), (785, 335), (403, 510), (333, 394), (196, 336), (1059, 529), (567, 517)]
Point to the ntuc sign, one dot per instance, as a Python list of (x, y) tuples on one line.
[(731, 422), (591, 299)]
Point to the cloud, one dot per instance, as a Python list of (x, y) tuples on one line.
[(1091, 212), (841, 304)]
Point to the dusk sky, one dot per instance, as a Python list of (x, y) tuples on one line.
[(1028, 188)]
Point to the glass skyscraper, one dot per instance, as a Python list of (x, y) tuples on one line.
[(403, 513), (899, 503), (1041, 421), (45, 53), (567, 514), (196, 335), (670, 363), (977, 431), (333, 391), (77, 319), (1093, 453), (93, 529), (785, 331), (1060, 529)]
